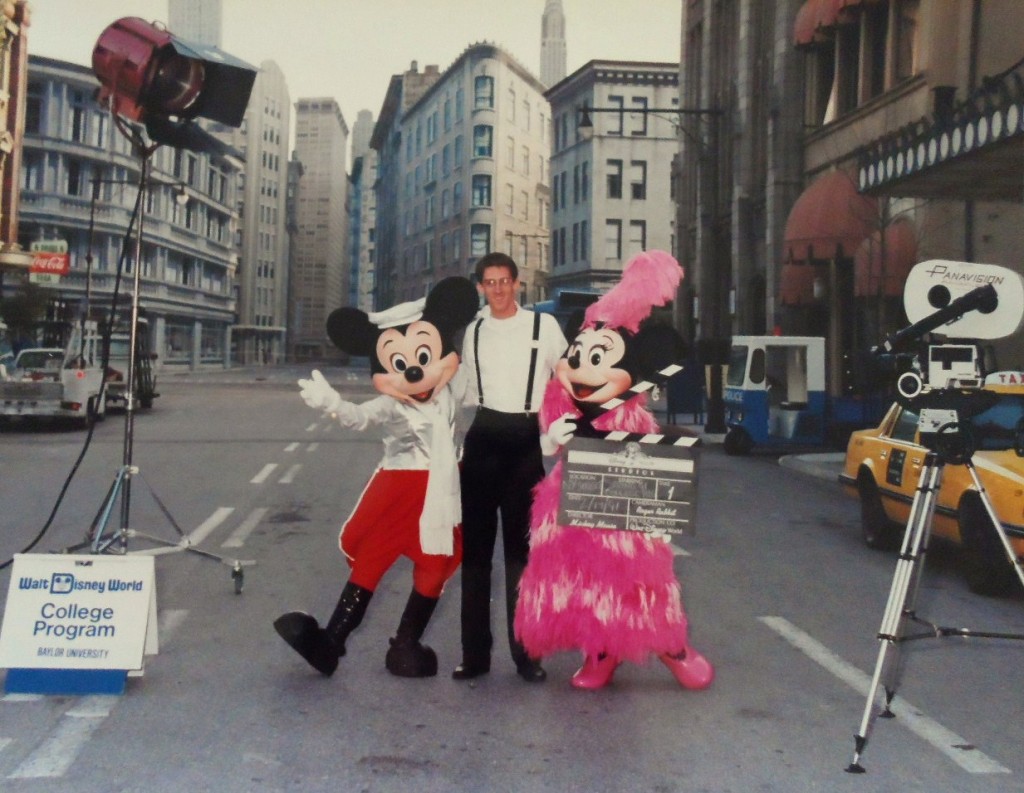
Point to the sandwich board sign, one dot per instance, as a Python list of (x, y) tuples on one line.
[(76, 624)]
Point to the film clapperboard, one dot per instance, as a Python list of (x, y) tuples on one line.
[(631, 481)]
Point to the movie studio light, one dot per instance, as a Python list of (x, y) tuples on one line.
[(157, 88)]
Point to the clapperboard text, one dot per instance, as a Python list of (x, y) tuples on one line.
[(641, 484)]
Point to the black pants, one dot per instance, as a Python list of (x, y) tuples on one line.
[(501, 463)]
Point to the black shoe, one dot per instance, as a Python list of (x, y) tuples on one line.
[(309, 640), (467, 670), (531, 672), (410, 659)]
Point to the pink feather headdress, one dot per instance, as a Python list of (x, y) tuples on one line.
[(649, 279)]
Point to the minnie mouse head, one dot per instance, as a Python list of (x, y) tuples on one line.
[(411, 346), (617, 346)]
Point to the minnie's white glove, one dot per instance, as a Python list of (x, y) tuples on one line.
[(318, 394), (559, 433)]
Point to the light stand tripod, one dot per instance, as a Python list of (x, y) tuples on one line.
[(900, 608), (98, 539)]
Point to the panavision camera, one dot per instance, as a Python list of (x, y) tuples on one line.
[(966, 303)]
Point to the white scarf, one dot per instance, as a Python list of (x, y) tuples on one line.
[(442, 505)]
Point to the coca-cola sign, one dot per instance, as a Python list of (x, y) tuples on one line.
[(54, 263)]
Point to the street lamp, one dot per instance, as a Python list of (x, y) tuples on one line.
[(713, 340)]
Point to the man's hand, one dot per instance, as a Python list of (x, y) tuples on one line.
[(559, 433)]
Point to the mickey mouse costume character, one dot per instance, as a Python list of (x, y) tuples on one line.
[(611, 594), (411, 506)]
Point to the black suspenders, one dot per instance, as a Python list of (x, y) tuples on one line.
[(533, 361)]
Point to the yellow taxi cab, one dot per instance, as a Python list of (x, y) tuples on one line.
[(883, 467)]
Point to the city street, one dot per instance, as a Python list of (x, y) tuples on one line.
[(781, 594)]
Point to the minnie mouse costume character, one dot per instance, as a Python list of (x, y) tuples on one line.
[(411, 506), (611, 594)]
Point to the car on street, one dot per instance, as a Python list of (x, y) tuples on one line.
[(883, 467)]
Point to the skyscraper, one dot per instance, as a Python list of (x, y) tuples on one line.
[(552, 43), (320, 277), (196, 20)]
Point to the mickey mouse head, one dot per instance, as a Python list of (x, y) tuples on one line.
[(411, 346)]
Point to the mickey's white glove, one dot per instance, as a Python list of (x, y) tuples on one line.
[(318, 394), (559, 433)]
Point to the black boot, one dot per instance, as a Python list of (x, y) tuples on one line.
[(526, 667), (406, 656), (322, 647)]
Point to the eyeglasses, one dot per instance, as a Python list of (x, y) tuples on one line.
[(491, 283)]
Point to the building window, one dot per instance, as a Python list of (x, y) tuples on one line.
[(479, 239), (457, 156), (526, 161), (903, 40), (638, 180), (483, 144), (613, 240), (457, 197), (637, 237), (33, 109), (584, 181), (511, 111), (74, 173), (583, 240), (481, 190), (614, 178), (555, 205), (524, 198), (459, 94), (639, 114), (575, 242), (483, 91), (509, 199), (576, 184), (615, 119)]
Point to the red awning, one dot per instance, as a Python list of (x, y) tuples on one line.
[(817, 15), (898, 253), (796, 284), (829, 220)]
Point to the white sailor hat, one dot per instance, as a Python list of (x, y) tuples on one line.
[(402, 314)]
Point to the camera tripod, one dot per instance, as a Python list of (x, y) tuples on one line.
[(900, 608)]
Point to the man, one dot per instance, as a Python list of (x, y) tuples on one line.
[(509, 354)]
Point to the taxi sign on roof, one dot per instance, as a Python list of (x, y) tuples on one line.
[(1005, 378)]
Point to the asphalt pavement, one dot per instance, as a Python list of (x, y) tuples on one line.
[(821, 465)]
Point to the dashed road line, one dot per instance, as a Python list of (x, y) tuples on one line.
[(312, 447), (291, 447), (264, 473), (239, 535), (54, 756), (677, 551), (290, 474), (929, 730), (201, 532), (311, 427)]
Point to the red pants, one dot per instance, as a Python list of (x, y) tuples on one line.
[(386, 525)]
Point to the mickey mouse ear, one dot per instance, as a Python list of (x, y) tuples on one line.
[(351, 331)]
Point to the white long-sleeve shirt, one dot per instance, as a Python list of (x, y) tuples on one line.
[(504, 361)]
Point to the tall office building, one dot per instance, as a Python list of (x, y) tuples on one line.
[(196, 20), (363, 209), (552, 43), (463, 171), (261, 280), (320, 276)]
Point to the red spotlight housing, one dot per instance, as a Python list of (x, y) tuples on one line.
[(148, 74)]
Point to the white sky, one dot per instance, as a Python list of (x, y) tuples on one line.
[(348, 49)]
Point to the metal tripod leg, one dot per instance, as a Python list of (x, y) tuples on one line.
[(902, 597)]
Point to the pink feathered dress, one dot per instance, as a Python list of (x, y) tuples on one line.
[(598, 591)]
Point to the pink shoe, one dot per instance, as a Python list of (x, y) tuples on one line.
[(596, 672), (691, 669)]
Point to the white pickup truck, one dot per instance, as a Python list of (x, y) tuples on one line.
[(70, 390)]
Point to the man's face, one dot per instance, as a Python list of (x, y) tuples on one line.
[(499, 289)]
